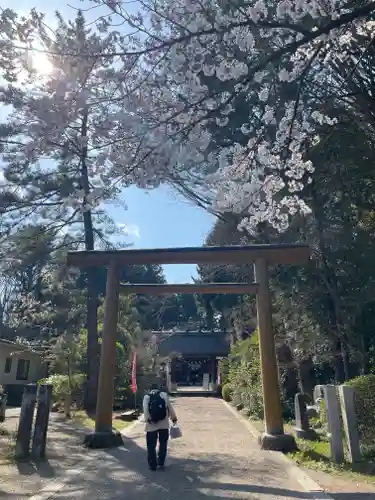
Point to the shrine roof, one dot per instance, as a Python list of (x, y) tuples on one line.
[(195, 344)]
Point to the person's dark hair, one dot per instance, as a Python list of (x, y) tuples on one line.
[(154, 387)]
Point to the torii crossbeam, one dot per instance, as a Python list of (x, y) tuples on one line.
[(261, 255)]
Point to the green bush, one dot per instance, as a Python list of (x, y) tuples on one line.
[(246, 387), (364, 388), (244, 376), (323, 412), (224, 370), (226, 392), (62, 385)]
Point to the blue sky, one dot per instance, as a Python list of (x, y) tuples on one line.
[(154, 219), (163, 218)]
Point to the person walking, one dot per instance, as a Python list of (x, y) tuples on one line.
[(157, 410)]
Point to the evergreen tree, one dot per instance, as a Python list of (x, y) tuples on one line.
[(62, 143)]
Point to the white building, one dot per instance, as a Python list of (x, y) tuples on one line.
[(19, 365)]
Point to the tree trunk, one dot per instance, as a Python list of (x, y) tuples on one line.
[(291, 386), (363, 357), (92, 299), (68, 396), (338, 364), (306, 376), (330, 279), (67, 405), (345, 361)]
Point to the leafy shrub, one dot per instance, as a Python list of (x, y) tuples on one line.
[(244, 376), (287, 406), (224, 370), (364, 388), (323, 412), (63, 385), (123, 392), (246, 387), (226, 392), (124, 397)]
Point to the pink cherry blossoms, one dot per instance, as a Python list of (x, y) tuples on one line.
[(201, 57), (225, 99)]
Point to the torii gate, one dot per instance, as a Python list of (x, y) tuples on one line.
[(261, 255)]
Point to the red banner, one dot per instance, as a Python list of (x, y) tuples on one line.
[(134, 373)]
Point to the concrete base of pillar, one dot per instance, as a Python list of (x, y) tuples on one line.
[(309, 434), (279, 442), (110, 439)]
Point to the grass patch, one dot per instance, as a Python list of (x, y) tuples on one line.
[(85, 420), (258, 424), (316, 455)]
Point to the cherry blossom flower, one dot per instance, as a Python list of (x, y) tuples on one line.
[(186, 71), (267, 55)]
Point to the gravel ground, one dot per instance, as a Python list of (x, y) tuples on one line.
[(19, 480), (216, 458), (342, 488)]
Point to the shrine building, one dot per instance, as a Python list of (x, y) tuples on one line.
[(193, 358)]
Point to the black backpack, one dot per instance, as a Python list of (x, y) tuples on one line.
[(157, 407)]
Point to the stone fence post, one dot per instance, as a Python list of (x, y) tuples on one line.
[(350, 422), (318, 393), (3, 405), (26, 421), (334, 423), (302, 428), (38, 449)]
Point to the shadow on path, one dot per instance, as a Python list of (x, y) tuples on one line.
[(41, 467), (123, 471)]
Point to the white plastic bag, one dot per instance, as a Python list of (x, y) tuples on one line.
[(175, 432)]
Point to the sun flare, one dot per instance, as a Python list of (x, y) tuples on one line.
[(41, 63)]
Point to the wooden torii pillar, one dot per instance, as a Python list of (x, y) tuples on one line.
[(261, 255)]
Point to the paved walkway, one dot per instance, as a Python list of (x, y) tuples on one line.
[(216, 458), (19, 480)]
